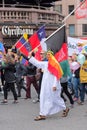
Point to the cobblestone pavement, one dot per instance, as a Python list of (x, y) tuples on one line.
[(21, 116)]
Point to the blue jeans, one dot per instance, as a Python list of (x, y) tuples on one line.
[(82, 91), (76, 84), (70, 82)]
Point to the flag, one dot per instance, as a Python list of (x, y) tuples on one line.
[(81, 12), (55, 42), (23, 45), (23, 61), (62, 54), (62, 57), (61, 51), (54, 67), (66, 68), (35, 39)]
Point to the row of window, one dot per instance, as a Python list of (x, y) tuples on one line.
[(72, 29), (70, 8)]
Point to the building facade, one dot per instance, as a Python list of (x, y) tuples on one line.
[(74, 27), (14, 21)]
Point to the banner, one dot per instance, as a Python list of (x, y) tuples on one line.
[(81, 12), (75, 45)]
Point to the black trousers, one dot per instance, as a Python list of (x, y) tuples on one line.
[(65, 90), (20, 85), (10, 86)]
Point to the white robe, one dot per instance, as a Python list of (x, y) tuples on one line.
[(50, 101)]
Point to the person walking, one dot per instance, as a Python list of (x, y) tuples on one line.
[(9, 70), (83, 81), (20, 73), (31, 79), (50, 94), (64, 81)]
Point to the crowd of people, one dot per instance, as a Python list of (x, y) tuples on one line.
[(50, 90)]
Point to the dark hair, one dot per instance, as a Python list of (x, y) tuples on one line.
[(14, 50)]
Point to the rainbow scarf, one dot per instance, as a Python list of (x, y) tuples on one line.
[(54, 67)]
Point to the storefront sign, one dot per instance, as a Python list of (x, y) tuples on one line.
[(16, 30)]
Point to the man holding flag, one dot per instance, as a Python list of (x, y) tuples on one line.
[(50, 99)]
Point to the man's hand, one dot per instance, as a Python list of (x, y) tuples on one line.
[(29, 55), (54, 88)]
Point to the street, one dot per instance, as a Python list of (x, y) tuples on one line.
[(21, 116)]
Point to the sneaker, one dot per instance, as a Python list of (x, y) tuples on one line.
[(75, 99), (80, 103), (4, 102), (36, 100), (15, 101)]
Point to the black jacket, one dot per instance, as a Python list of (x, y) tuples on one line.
[(9, 72), (21, 70), (31, 70)]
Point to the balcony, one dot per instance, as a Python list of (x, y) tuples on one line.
[(29, 15)]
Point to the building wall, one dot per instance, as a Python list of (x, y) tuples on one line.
[(13, 22), (72, 18)]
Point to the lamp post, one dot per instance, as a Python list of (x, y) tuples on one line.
[(38, 3), (3, 3)]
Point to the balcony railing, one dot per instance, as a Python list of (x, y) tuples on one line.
[(28, 15)]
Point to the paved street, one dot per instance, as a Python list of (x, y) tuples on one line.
[(21, 116)]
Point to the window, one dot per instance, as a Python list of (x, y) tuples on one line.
[(58, 8), (71, 29), (71, 8), (84, 29)]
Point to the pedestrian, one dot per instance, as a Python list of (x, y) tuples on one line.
[(50, 94), (83, 81), (9, 76), (64, 81), (20, 73), (31, 79)]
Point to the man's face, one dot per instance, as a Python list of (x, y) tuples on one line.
[(42, 55)]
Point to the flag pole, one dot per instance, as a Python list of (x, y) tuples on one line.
[(80, 4)]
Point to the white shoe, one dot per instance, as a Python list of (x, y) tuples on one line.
[(36, 100), (2, 92)]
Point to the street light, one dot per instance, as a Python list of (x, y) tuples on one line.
[(38, 2), (3, 3)]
